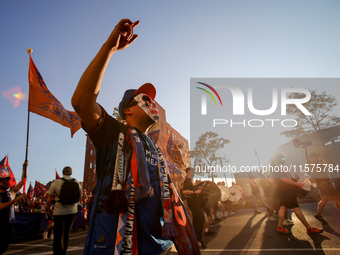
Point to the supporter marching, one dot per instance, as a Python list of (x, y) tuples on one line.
[(133, 184), (7, 202), (65, 208), (191, 192), (286, 191), (323, 183), (255, 190)]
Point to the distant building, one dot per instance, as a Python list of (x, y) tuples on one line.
[(160, 132)]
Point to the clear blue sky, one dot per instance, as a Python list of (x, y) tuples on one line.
[(177, 40)]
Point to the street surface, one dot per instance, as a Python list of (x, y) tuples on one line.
[(243, 233)]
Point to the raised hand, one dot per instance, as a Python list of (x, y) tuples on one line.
[(122, 35)]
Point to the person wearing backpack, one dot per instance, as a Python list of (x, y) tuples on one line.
[(67, 192)]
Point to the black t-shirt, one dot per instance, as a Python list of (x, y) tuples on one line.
[(281, 185), (149, 211), (4, 214), (188, 185)]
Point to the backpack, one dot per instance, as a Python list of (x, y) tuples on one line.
[(69, 193)]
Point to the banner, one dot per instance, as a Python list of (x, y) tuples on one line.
[(154, 135), (173, 151), (173, 169)]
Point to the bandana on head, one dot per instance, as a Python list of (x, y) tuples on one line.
[(148, 105)]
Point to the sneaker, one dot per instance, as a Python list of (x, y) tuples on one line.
[(52, 236), (45, 235), (271, 218), (257, 212), (244, 202), (288, 222), (209, 233), (225, 215), (314, 230), (320, 218), (202, 245), (231, 213), (283, 231)]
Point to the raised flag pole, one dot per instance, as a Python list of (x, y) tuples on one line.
[(258, 159), (29, 51)]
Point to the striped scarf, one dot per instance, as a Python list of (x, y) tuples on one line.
[(130, 186)]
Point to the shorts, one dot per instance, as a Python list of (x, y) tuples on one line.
[(287, 198), (326, 188)]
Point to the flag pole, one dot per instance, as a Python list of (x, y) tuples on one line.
[(29, 51), (258, 159), (27, 136)]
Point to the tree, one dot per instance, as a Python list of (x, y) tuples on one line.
[(116, 114), (320, 106), (206, 148)]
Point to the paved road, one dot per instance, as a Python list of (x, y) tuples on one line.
[(246, 233), (243, 233)]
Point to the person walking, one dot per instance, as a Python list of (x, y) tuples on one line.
[(67, 192), (255, 190), (323, 183), (191, 191)]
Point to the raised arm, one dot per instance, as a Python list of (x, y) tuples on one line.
[(84, 100), (17, 187), (12, 202)]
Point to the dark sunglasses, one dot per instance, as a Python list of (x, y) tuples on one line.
[(132, 103)]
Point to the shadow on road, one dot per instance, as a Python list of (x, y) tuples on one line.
[(330, 230), (247, 233), (277, 241)]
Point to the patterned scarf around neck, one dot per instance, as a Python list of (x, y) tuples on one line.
[(131, 186)]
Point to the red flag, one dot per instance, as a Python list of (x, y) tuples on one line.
[(42, 102), (56, 175), (5, 169)]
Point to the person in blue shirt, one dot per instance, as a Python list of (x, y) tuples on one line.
[(132, 211)]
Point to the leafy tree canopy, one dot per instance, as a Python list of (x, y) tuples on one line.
[(320, 107), (207, 146)]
